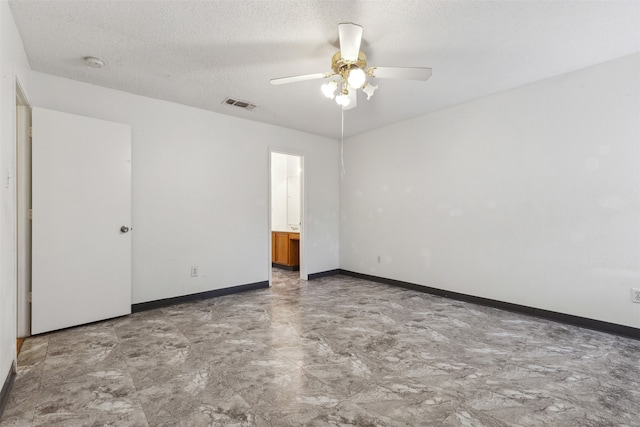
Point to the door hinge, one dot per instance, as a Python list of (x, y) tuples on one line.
[(29, 296), (31, 214), (30, 132)]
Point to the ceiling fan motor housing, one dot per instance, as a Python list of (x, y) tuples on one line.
[(341, 66)]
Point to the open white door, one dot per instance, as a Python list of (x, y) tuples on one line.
[(81, 258)]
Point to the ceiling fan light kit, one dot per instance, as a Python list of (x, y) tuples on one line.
[(351, 72), (349, 65)]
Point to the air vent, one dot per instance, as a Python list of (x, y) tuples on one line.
[(240, 104)]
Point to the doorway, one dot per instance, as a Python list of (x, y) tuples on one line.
[(286, 214), (23, 220)]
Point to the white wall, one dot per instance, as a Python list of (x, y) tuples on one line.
[(530, 196), (200, 189), (13, 64)]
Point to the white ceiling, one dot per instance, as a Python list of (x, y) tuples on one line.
[(199, 52)]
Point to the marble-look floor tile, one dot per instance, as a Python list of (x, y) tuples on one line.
[(202, 402), (99, 395), (337, 351)]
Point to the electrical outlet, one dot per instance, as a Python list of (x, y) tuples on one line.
[(194, 271), (379, 259), (635, 295)]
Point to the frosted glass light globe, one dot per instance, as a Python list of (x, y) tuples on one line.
[(369, 89), (343, 99), (328, 89), (357, 77)]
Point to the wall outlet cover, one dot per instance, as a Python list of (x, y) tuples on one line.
[(635, 295)]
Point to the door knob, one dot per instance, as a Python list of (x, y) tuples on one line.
[(124, 229)]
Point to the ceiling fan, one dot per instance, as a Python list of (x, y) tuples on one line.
[(349, 65)]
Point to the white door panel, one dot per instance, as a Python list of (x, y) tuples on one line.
[(81, 260)]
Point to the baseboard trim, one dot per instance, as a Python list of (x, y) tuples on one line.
[(599, 325), (150, 305), (324, 274), (6, 388)]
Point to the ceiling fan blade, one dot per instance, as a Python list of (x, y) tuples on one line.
[(350, 38), (404, 73), (353, 100), (293, 79)]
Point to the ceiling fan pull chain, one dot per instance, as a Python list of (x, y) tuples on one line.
[(342, 145)]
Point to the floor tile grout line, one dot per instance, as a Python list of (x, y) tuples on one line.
[(137, 391), (39, 392)]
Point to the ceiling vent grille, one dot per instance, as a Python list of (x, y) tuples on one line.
[(239, 104)]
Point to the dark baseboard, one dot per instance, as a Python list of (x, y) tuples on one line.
[(324, 274), (286, 267), (599, 325), (6, 388), (150, 305)]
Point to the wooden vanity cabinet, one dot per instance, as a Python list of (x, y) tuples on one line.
[(285, 250), (281, 248)]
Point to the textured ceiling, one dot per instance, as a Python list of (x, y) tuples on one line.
[(199, 52)]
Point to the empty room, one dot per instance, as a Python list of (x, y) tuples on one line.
[(320, 213)]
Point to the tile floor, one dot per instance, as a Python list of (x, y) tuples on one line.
[(336, 351)]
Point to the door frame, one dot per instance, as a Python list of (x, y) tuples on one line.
[(22, 205), (303, 210)]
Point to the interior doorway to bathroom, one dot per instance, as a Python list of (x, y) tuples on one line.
[(287, 216)]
